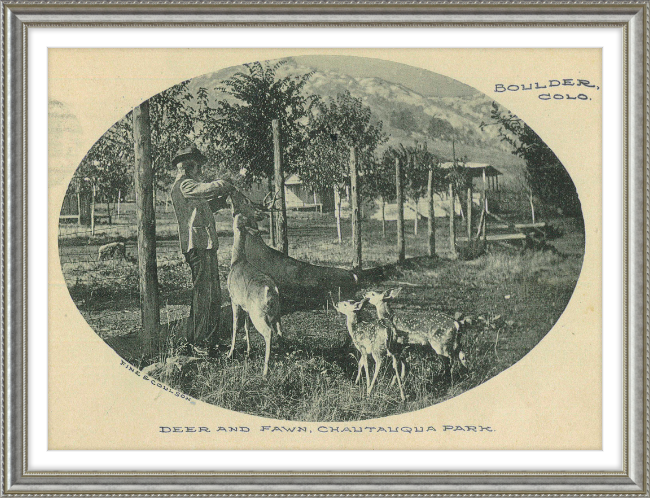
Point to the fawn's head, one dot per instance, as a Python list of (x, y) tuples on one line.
[(350, 308), (380, 300)]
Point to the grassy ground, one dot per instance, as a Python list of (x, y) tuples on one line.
[(513, 298)]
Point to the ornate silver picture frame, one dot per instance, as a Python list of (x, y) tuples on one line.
[(632, 20)]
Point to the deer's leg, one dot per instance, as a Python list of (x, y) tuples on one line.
[(267, 352), (248, 341), (278, 331), (235, 325), (264, 327), (377, 359), (397, 376)]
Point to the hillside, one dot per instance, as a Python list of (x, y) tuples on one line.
[(405, 113)]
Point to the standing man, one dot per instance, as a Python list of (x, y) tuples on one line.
[(194, 204)]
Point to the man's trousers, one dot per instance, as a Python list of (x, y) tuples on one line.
[(204, 321)]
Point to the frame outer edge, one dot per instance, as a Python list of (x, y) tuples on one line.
[(14, 223), (15, 285), (635, 120)]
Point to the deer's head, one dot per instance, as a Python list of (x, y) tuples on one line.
[(253, 211)]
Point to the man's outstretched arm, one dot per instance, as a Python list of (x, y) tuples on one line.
[(192, 189)]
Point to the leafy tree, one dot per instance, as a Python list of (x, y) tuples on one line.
[(404, 120), (242, 125), (109, 162), (547, 178), (172, 128), (106, 166), (379, 182), (439, 128), (419, 161), (335, 127)]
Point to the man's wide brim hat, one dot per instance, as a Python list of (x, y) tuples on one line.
[(189, 153)]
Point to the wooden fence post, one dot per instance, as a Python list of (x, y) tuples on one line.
[(146, 217), (469, 213), (281, 219), (452, 215), (401, 249), (337, 212), (92, 211), (383, 217), (485, 207), (356, 219), (431, 221)]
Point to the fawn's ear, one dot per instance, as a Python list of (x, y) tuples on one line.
[(392, 294), (360, 304)]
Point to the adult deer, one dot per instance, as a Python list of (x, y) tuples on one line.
[(370, 338), (440, 331), (251, 291)]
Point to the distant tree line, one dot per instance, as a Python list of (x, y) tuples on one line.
[(317, 137)]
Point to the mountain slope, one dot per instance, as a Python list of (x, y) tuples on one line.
[(406, 114)]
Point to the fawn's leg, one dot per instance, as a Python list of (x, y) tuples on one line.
[(365, 366), (397, 376), (377, 359), (360, 367)]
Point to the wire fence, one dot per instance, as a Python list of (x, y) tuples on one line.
[(100, 263), (100, 266)]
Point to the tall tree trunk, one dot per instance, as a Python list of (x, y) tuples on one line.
[(283, 241), (417, 215), (119, 200), (401, 248), (431, 221), (469, 213), (108, 209), (452, 215), (383, 217), (337, 212), (356, 218), (146, 217), (271, 216), (532, 206)]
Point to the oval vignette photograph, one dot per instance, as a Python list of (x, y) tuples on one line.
[(320, 238)]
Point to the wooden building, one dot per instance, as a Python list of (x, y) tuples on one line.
[(299, 197)]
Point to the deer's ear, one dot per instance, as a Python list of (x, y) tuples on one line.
[(393, 293)]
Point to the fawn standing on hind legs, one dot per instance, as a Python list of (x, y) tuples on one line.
[(252, 292), (370, 338), (440, 331)]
